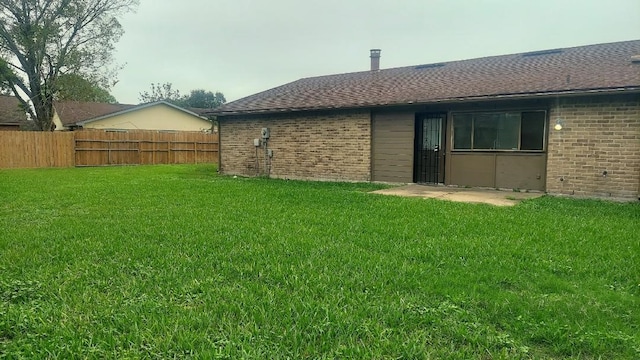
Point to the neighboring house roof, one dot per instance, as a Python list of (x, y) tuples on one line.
[(131, 108), (76, 113), (199, 111), (72, 112), (10, 113), (583, 69)]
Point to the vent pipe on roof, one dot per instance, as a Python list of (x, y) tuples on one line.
[(375, 59)]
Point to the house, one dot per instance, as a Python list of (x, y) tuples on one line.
[(564, 121), (11, 117), (162, 116)]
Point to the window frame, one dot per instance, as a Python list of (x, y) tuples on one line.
[(506, 111)]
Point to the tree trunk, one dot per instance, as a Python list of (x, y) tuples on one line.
[(42, 100)]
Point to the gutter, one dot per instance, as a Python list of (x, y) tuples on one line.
[(602, 91)]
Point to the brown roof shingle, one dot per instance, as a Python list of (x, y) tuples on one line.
[(72, 112), (10, 113), (602, 67)]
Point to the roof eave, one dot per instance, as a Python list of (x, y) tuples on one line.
[(138, 107), (542, 94)]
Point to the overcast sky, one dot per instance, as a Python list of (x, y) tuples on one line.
[(241, 47)]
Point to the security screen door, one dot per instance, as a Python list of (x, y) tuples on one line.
[(429, 148)]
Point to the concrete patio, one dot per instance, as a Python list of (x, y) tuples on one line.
[(470, 195)]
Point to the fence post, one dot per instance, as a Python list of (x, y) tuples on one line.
[(75, 145)]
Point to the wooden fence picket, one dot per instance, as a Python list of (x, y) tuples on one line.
[(30, 149)]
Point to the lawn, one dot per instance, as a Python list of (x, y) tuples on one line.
[(178, 262)]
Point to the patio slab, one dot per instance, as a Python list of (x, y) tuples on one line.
[(469, 195)]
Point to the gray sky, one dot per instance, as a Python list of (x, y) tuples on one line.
[(241, 47)]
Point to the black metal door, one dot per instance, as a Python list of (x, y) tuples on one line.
[(429, 149)]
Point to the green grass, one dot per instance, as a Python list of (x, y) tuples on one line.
[(178, 262)]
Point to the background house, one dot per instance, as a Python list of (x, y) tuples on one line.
[(11, 117), (565, 121), (162, 116)]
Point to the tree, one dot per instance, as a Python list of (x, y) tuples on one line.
[(199, 98), (4, 90), (161, 92), (77, 88), (40, 40), (202, 99)]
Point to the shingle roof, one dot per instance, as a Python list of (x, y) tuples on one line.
[(78, 113), (10, 113), (583, 69), (131, 108), (72, 112), (198, 111)]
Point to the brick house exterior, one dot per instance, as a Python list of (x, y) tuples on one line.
[(563, 121), (303, 149), (599, 134)]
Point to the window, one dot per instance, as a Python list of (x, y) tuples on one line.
[(532, 134), (499, 131), (462, 130)]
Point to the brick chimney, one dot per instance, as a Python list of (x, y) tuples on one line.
[(375, 59)]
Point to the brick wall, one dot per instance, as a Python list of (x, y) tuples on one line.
[(322, 146), (599, 134)]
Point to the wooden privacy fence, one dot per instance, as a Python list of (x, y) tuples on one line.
[(31, 149), (100, 148)]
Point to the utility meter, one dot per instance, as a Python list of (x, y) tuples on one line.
[(265, 133)]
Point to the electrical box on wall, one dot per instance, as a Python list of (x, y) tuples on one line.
[(265, 133), (256, 142)]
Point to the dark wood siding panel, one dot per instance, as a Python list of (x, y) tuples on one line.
[(392, 158), (521, 171), (499, 170), (472, 170)]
